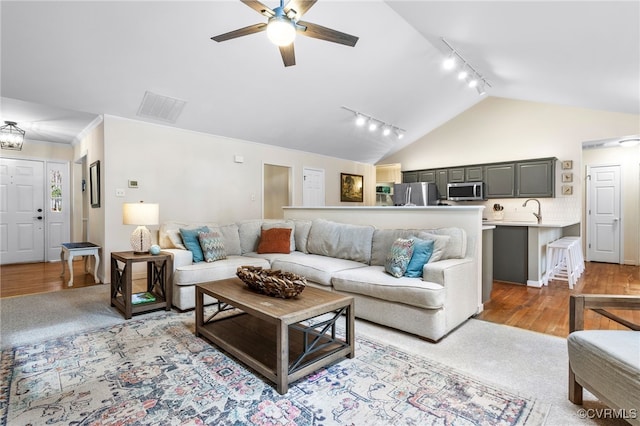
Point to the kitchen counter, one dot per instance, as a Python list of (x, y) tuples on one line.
[(531, 243), (533, 223)]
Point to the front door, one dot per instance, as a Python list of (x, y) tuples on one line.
[(22, 211), (603, 214)]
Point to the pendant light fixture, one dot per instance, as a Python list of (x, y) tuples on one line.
[(11, 136)]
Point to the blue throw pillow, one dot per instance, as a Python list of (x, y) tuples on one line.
[(422, 251), (192, 243)]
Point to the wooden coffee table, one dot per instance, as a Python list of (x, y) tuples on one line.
[(272, 335)]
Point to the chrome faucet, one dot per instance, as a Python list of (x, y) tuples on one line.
[(537, 215)]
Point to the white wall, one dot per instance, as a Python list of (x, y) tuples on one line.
[(193, 176), (499, 129)]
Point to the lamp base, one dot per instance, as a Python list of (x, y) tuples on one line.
[(141, 240)]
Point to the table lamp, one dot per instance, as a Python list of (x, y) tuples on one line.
[(140, 214)]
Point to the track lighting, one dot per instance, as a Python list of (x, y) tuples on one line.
[(375, 124), (476, 81)]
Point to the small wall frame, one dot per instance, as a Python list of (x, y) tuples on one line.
[(94, 183), (567, 165)]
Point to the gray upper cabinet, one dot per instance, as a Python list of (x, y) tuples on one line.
[(474, 174), (409, 177), (456, 175), (535, 178), (499, 180), (515, 179), (427, 176), (442, 178)]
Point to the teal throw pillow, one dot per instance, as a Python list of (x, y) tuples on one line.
[(191, 242), (212, 246), (422, 251), (399, 256)]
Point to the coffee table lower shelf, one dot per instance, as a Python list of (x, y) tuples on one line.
[(283, 340), (254, 342)]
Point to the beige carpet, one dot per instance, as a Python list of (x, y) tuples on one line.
[(527, 362)]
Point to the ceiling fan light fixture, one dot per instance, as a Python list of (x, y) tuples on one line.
[(281, 31)]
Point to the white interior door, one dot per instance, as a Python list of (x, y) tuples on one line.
[(313, 187), (22, 211), (603, 214)]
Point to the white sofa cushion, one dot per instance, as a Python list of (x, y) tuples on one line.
[(374, 282), (316, 268), (203, 272), (301, 234), (230, 237), (340, 240), (610, 361)]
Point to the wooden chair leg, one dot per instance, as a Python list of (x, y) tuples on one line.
[(575, 389)]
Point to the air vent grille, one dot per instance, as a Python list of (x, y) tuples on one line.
[(160, 107)]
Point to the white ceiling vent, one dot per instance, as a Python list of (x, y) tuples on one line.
[(160, 107)]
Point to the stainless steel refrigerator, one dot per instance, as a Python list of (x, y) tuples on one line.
[(415, 194)]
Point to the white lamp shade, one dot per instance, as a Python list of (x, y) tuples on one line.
[(140, 214)]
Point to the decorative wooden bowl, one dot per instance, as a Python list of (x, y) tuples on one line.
[(271, 282)]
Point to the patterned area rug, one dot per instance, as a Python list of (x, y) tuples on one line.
[(155, 371)]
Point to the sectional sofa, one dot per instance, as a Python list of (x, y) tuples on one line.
[(349, 259)]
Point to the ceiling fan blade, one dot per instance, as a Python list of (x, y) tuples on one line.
[(324, 33), (259, 7), (240, 32), (288, 55), (300, 6)]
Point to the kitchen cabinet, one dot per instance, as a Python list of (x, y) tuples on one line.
[(535, 178), (510, 254), (427, 176), (409, 177), (456, 175), (474, 174), (442, 178), (499, 180)]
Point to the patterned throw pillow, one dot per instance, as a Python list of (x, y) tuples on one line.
[(422, 250), (212, 246), (399, 257)]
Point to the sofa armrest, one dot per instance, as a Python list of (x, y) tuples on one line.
[(438, 272), (180, 257)]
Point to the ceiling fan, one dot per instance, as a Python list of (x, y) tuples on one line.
[(283, 24)]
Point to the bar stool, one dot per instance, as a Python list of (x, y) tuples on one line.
[(563, 261)]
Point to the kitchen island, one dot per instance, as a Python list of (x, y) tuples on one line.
[(520, 248)]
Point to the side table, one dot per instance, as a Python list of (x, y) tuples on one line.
[(79, 249), (159, 281)]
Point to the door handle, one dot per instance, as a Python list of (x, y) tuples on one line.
[(38, 217), (615, 219)]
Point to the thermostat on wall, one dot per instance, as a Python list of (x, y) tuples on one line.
[(133, 184)]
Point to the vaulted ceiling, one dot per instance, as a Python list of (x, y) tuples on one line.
[(65, 63)]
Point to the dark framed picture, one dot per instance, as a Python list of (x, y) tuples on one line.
[(94, 183), (351, 187)]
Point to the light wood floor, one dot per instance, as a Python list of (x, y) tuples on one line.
[(544, 309)]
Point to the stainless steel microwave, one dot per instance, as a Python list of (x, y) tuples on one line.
[(466, 191)]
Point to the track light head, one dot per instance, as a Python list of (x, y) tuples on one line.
[(372, 125), (360, 120)]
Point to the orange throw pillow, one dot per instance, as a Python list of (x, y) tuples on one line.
[(275, 240)]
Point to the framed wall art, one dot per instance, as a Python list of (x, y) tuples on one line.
[(94, 183), (351, 188), (567, 165), (567, 177)]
